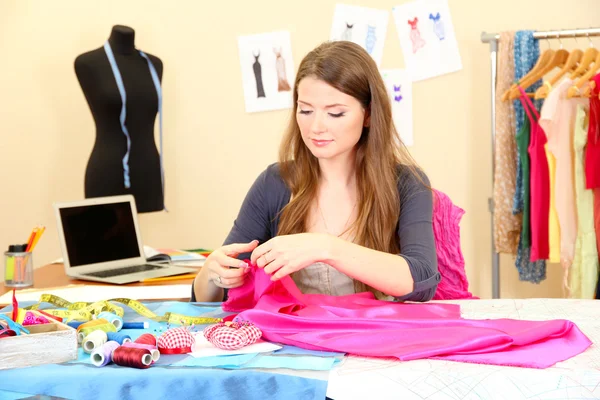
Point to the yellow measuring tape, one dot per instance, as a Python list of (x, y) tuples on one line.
[(83, 311)]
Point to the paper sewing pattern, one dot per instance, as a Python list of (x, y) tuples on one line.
[(267, 70), (427, 38), (364, 26), (399, 87)]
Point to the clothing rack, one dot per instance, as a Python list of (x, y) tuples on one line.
[(492, 39)]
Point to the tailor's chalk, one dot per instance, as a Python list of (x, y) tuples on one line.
[(136, 325)]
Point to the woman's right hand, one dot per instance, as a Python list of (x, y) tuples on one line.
[(223, 270)]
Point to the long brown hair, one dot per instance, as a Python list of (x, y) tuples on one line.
[(350, 69)]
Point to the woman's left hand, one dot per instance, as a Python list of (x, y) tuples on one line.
[(283, 255)]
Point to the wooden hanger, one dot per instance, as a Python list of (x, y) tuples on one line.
[(588, 90), (569, 67), (592, 66), (558, 59), (544, 59), (588, 57)]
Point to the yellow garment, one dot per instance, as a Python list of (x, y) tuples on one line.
[(584, 270), (553, 226)]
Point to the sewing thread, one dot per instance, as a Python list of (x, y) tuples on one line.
[(146, 338), (153, 349), (84, 331), (112, 318), (118, 337), (132, 357), (94, 340), (103, 354)]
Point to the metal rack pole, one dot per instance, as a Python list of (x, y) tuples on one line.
[(492, 39)]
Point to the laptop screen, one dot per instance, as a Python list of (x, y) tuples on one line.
[(99, 233)]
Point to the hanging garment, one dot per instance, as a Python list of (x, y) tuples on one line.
[(529, 271), (592, 157), (527, 52), (539, 183), (438, 26), (451, 263), (359, 324), (282, 83), (584, 271), (507, 226), (523, 138), (553, 225), (557, 122), (415, 35), (592, 152), (123, 116), (257, 68), (347, 34), (371, 39)]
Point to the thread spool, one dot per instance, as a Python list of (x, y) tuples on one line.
[(146, 338), (103, 354), (153, 349), (93, 322), (75, 324), (132, 357), (112, 318), (94, 340), (136, 325), (85, 330), (118, 337)]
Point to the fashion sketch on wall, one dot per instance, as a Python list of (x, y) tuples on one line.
[(427, 38), (399, 87), (364, 26), (267, 70)]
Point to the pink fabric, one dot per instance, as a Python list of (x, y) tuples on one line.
[(451, 264), (360, 324)]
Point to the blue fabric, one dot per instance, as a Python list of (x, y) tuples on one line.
[(526, 52), (113, 382), (175, 376), (293, 350), (230, 362)]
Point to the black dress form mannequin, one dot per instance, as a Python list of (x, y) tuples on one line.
[(106, 167)]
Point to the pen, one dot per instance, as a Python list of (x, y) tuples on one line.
[(170, 278)]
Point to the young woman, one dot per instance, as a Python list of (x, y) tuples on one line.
[(344, 210)]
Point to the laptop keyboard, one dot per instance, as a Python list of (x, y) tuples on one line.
[(124, 271)]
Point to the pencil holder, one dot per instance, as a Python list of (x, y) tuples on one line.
[(18, 269)]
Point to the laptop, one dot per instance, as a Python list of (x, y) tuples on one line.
[(100, 241)]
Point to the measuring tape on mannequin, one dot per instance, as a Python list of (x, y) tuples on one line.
[(83, 311)]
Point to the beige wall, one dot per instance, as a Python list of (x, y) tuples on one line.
[(213, 149)]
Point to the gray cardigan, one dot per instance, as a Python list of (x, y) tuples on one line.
[(258, 218)]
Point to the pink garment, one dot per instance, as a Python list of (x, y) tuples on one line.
[(451, 264), (359, 324)]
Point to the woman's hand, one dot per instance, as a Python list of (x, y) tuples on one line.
[(286, 254), (222, 269)]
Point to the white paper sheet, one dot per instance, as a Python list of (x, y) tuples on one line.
[(399, 87), (267, 70), (93, 293), (203, 348), (364, 26), (427, 38)]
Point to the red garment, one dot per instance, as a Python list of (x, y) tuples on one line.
[(592, 150), (359, 324), (597, 217), (539, 184)]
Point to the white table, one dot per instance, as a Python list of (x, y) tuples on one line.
[(576, 378)]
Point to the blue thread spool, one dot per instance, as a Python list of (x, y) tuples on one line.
[(112, 318), (135, 325), (75, 324), (118, 337)]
